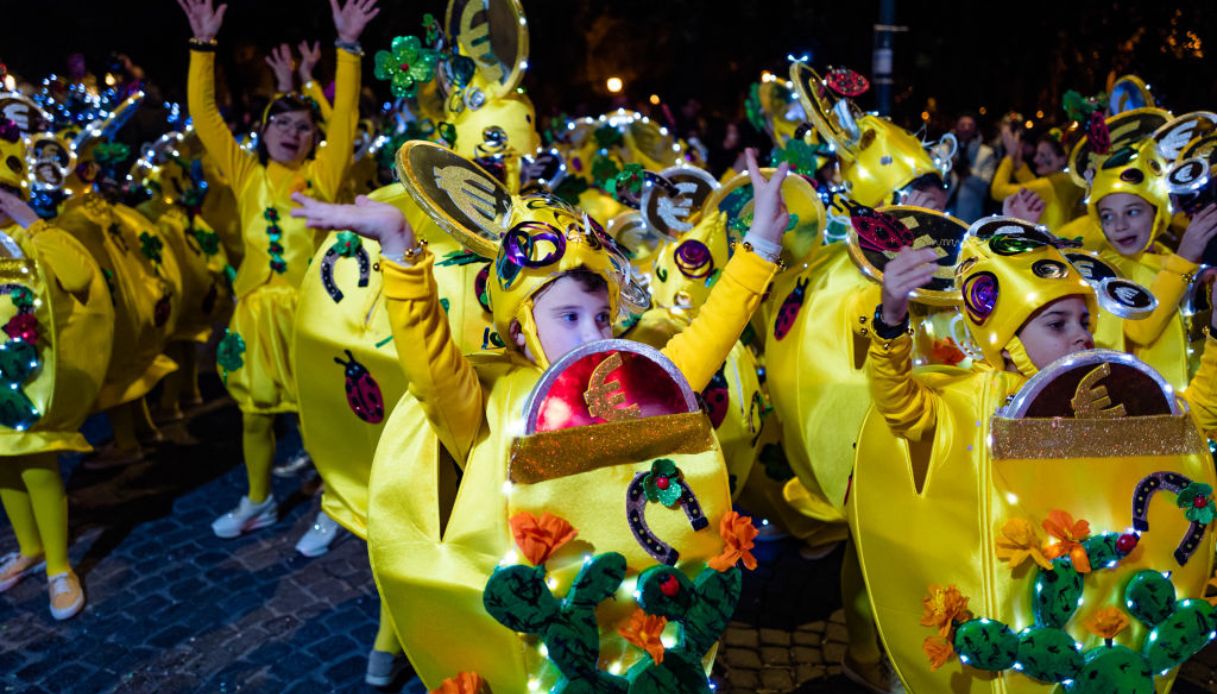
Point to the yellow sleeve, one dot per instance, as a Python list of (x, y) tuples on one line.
[(1169, 286), (234, 162), (334, 158), (439, 376), (314, 91), (1002, 187), (705, 344), (909, 408), (69, 265), (1201, 392)]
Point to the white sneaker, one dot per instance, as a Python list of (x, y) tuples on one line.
[(316, 541), (15, 566), (384, 667), (293, 465), (67, 596), (245, 517)]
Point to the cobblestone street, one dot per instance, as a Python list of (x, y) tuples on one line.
[(172, 608)]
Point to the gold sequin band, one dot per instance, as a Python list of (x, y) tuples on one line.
[(1061, 438), (554, 454)]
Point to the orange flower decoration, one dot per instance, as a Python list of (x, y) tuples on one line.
[(644, 631), (1107, 622), (1069, 535), (539, 539), (942, 608), (946, 351), (464, 683), (739, 537), (938, 650), (1019, 543)]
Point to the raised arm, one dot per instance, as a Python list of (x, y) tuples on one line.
[(705, 344), (1171, 282), (438, 374), (335, 157), (309, 55), (205, 22)]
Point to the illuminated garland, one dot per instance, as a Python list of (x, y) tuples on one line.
[(19, 360)]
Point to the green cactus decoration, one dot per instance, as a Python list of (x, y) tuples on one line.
[(1057, 593), (702, 608), (1113, 669), (986, 644), (1180, 636), (1048, 654), (519, 599), (1150, 597)]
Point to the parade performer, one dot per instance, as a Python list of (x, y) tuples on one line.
[(254, 356), (960, 470), (1059, 192), (59, 328)]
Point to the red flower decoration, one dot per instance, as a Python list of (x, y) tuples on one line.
[(539, 538), (22, 326)]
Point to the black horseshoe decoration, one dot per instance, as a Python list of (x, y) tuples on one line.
[(1171, 482), (327, 270), (636, 516)]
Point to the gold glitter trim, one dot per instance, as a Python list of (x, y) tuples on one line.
[(553, 454), (1062, 438)]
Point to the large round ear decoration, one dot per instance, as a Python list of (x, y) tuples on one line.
[(980, 296), (803, 203), (877, 235), (1125, 298), (494, 33), (1192, 184), (1200, 147), (672, 209), (1127, 94), (836, 121), (1124, 131), (51, 161), (634, 235), (29, 116), (462, 197), (1173, 137)]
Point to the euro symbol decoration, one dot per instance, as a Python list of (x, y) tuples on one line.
[(1091, 401), (675, 212), (604, 397)]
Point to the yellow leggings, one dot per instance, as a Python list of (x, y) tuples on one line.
[(258, 443), (33, 497), (181, 385), (860, 628), (386, 637), (128, 420)]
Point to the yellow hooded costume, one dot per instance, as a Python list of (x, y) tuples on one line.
[(948, 485), (433, 554)]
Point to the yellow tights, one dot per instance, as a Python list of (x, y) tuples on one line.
[(258, 443), (33, 497), (128, 420), (181, 385), (860, 628), (386, 637)]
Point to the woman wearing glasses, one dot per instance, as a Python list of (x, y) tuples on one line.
[(254, 355)]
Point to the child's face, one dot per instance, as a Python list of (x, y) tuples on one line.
[(567, 316), (289, 137), (1046, 160), (1127, 221), (1059, 329)]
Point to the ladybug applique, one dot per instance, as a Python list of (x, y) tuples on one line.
[(845, 82), (1098, 134), (160, 312), (717, 398), (878, 232), (790, 308), (479, 287), (363, 393)]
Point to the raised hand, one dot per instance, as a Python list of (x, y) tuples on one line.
[(1024, 205), (308, 60), (1200, 230), (16, 209), (350, 20), (769, 216), (909, 270), (205, 22), (280, 62), (378, 221)]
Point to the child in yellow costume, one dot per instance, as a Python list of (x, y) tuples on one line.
[(546, 310), (1059, 191), (58, 325), (1128, 208), (254, 355), (173, 174), (961, 470)]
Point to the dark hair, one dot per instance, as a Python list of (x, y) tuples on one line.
[(588, 280), (286, 104), (925, 181), (1052, 141)]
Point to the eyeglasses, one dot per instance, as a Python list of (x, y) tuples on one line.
[(286, 125)]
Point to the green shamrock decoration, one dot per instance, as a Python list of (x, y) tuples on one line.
[(348, 244), (406, 65), (229, 352), (662, 483), (431, 26), (752, 107), (607, 136), (626, 185), (209, 241), (111, 153), (151, 246), (1197, 498)]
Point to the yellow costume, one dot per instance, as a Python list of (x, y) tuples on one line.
[(434, 587), (1061, 195), (1161, 339), (948, 485)]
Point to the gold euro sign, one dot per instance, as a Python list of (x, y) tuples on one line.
[(603, 398), (475, 39), (1090, 401), (469, 193)]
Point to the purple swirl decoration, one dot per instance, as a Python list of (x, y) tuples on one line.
[(694, 260), (980, 296), (519, 244)]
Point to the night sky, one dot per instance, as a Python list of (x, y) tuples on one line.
[(949, 60)]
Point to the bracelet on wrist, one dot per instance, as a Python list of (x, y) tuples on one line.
[(352, 47), (207, 45), (885, 331)]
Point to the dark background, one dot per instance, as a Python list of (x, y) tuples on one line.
[(953, 57)]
